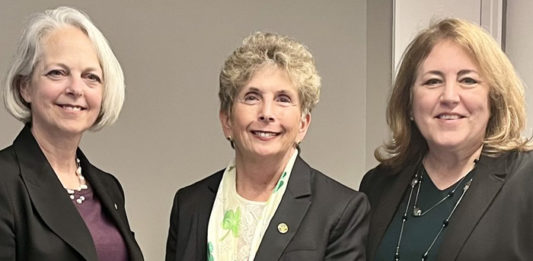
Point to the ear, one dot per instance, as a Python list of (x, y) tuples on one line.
[(24, 88), (305, 120), (225, 121)]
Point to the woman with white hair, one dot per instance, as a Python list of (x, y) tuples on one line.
[(55, 205)]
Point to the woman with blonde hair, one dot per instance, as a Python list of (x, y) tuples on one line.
[(454, 181), (268, 203)]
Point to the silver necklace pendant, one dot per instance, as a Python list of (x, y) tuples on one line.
[(417, 212)]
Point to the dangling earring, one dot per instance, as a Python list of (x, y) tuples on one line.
[(297, 145), (231, 142)]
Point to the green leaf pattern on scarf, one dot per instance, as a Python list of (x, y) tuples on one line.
[(231, 222), (280, 182), (210, 252)]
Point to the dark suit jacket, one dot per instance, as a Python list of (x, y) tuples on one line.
[(494, 221), (38, 221), (326, 220)]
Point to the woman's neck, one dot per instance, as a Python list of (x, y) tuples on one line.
[(257, 176), (445, 168), (60, 151)]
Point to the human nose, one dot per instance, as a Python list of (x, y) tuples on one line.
[(450, 93), (75, 86), (266, 112)]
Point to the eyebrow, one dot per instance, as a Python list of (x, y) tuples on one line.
[(463, 72), (48, 65), (254, 89), (460, 73), (439, 73), (64, 66)]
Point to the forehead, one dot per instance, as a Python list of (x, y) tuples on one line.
[(68, 43), (448, 55), (270, 77)]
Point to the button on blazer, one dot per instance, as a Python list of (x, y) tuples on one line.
[(317, 219)]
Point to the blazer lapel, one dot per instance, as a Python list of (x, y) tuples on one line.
[(203, 213), (49, 198), (291, 212), (387, 206), (109, 204), (487, 182)]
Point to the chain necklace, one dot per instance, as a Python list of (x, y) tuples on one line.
[(417, 212), (82, 184)]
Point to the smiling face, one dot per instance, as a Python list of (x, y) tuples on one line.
[(266, 119), (451, 100), (65, 89)]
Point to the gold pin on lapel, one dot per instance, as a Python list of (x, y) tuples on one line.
[(283, 228)]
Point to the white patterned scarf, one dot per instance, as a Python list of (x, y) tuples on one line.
[(231, 215)]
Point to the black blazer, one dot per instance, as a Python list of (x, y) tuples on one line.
[(326, 220), (38, 221), (494, 221)]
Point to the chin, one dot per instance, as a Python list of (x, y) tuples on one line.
[(268, 152), (73, 128), (450, 144)]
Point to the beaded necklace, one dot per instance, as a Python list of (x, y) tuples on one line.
[(417, 212), (82, 186)]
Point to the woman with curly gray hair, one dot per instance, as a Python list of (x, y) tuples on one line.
[(267, 204)]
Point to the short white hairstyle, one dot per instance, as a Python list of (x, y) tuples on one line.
[(29, 53)]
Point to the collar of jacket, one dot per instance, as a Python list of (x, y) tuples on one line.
[(291, 211)]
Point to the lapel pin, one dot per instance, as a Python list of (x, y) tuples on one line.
[(283, 228), (116, 207)]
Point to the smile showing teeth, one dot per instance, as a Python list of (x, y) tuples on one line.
[(71, 108), (449, 117), (264, 134)]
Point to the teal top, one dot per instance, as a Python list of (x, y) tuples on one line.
[(420, 231)]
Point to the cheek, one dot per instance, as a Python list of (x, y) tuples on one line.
[(95, 98), (294, 120), (423, 102), (240, 118), (484, 111), (417, 105), (478, 102)]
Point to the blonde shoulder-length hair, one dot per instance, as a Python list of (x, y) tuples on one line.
[(506, 94)]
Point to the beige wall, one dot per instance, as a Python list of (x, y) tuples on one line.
[(168, 135), (378, 74), (519, 47)]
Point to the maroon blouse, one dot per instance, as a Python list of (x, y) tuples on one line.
[(108, 241)]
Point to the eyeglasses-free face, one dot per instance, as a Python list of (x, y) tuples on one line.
[(266, 117)]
